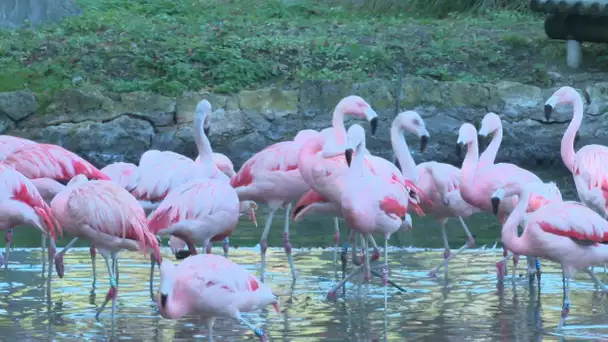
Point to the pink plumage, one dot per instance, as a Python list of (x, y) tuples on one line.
[(103, 211), (51, 161), (212, 286), (14, 187), (125, 174), (9, 143)]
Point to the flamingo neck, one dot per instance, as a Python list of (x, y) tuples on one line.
[(402, 151), (469, 165), (567, 148), (357, 165), (205, 154), (337, 121), (489, 155), (510, 237)]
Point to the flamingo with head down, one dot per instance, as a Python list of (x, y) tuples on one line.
[(565, 232)]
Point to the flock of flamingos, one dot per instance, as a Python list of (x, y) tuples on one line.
[(197, 202)]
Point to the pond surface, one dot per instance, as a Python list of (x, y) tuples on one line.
[(470, 305)]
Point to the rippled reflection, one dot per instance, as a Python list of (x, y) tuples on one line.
[(468, 306)]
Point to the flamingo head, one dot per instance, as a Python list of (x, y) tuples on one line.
[(356, 142), (467, 134), (77, 181), (412, 122), (356, 106), (490, 124), (203, 110), (564, 94)]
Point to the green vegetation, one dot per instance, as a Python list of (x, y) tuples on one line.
[(169, 46)]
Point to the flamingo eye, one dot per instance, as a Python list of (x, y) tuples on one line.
[(416, 122)]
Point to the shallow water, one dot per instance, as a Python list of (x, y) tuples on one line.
[(470, 306)]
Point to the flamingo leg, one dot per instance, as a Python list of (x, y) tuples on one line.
[(51, 255), (210, 322), (566, 307), (93, 253), (597, 281), (501, 266), (287, 244), (59, 265), (533, 269), (43, 244), (344, 256), (385, 269), (152, 262), (256, 330), (376, 254), (113, 285), (8, 239), (332, 292), (226, 246), (368, 272), (336, 239), (470, 243), (264, 243)]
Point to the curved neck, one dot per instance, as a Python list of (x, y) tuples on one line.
[(510, 237), (358, 163), (467, 172), (402, 151), (205, 154), (489, 154), (337, 121), (567, 148)]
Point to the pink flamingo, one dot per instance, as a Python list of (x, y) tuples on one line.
[(589, 166), (9, 143), (48, 161), (272, 176), (21, 203), (370, 204), (212, 286), (110, 217), (490, 125), (478, 184), (437, 183), (565, 232)]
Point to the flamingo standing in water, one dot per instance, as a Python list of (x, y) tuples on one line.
[(478, 184), (212, 286), (52, 162), (369, 203), (589, 166), (271, 176), (21, 203), (437, 183), (110, 217), (565, 232)]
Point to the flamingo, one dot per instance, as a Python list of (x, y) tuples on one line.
[(369, 203), (437, 183), (212, 286), (108, 215), (21, 203), (478, 184), (565, 232), (272, 176), (589, 166), (51, 162)]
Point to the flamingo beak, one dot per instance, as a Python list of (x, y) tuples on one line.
[(495, 204), (348, 154), (163, 300), (549, 105), (424, 141), (374, 123), (275, 306), (207, 129)]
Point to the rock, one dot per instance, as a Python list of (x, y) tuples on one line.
[(159, 109), (18, 105), (76, 105), (106, 127), (17, 13), (270, 102), (124, 138)]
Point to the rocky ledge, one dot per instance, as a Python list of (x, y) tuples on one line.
[(106, 127)]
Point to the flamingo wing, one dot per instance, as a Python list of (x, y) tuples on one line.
[(573, 220), (110, 209), (125, 174), (279, 157), (161, 172), (51, 161), (592, 164), (9, 143)]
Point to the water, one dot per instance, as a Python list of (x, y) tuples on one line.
[(467, 306)]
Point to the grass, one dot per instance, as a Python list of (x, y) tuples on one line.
[(169, 46)]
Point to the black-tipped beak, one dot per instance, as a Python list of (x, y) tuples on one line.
[(183, 254), (207, 129), (424, 141), (163, 300), (374, 123), (348, 154), (461, 146), (495, 204), (548, 111)]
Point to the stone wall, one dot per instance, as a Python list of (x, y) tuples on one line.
[(106, 127)]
